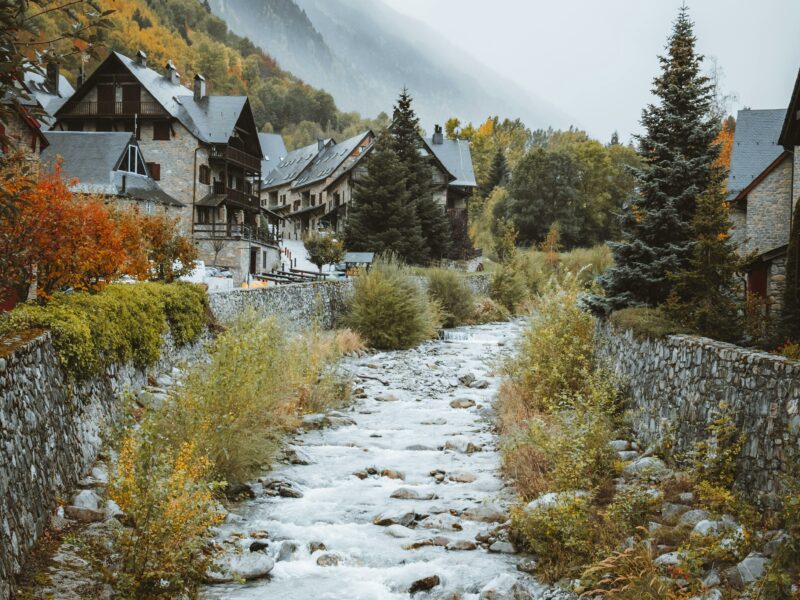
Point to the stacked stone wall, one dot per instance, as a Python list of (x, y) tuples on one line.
[(676, 386)]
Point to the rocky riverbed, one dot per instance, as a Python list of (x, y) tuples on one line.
[(400, 494)]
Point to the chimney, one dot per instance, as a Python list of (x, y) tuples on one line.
[(199, 87), (141, 58), (81, 76), (52, 77), (320, 144), (438, 135), (172, 74)]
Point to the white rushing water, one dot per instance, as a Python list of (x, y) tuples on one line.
[(401, 426)]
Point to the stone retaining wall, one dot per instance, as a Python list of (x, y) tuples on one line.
[(50, 434), (678, 382)]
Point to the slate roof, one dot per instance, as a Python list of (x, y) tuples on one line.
[(755, 146), (35, 82), (330, 159), (293, 164), (273, 149), (456, 158), (92, 158)]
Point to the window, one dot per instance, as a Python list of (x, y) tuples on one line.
[(204, 175), (161, 130), (149, 207), (155, 170), (132, 161)]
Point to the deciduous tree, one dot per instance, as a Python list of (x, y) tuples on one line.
[(323, 249)]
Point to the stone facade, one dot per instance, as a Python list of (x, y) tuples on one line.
[(769, 210), (796, 176), (26, 136), (50, 433), (676, 384)]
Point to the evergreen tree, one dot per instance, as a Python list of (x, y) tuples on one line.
[(383, 218), (406, 143), (791, 299), (498, 173), (678, 151), (614, 139), (703, 296)]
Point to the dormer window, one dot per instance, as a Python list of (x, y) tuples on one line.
[(132, 162)]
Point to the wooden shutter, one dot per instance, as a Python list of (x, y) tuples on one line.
[(155, 170)]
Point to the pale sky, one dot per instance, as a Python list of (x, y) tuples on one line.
[(595, 59)]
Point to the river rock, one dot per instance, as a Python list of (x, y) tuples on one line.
[(404, 518), (288, 548), (747, 571), (258, 546), (423, 585), (461, 545), (391, 474), (462, 444), (399, 531), (420, 448), (503, 548), (87, 499), (481, 384), (527, 565), (504, 587), (619, 445), (647, 467), (670, 559), (361, 474), (386, 397), (486, 513), (249, 566), (443, 521), (462, 403), (329, 560), (289, 492), (772, 547), (461, 476), (405, 493), (551, 499), (626, 455), (439, 421), (84, 515), (692, 517), (672, 512)]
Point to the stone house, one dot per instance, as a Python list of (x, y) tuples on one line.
[(453, 172), (763, 190), (50, 89), (203, 150), (21, 128), (312, 187), (111, 165)]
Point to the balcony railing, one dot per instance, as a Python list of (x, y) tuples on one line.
[(234, 231), (236, 195), (243, 159), (121, 109)]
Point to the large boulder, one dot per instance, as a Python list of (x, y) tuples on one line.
[(552, 499), (246, 566), (505, 587), (647, 467)]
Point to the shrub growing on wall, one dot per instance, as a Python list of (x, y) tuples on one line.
[(451, 291), (390, 310)]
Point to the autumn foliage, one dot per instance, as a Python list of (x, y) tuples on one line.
[(57, 240)]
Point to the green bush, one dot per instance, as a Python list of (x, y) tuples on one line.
[(507, 287), (124, 322), (646, 322), (390, 310), (489, 311), (449, 289)]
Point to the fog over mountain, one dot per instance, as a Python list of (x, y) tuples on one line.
[(363, 53)]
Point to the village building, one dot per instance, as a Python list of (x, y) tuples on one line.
[(312, 188), (108, 164), (50, 89), (203, 150), (762, 194), (21, 127), (453, 173)]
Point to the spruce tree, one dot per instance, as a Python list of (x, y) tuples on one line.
[(407, 145), (704, 296), (791, 298), (678, 152), (383, 218), (498, 173)]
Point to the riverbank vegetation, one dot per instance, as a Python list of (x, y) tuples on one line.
[(220, 427), (608, 518)]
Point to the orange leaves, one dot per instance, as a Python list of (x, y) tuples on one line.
[(725, 141)]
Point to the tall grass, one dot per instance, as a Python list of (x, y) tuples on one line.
[(390, 310)]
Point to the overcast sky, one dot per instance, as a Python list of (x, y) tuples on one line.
[(595, 59)]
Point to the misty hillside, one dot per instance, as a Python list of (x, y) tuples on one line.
[(363, 53)]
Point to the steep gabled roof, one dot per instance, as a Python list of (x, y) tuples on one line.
[(93, 157), (755, 146), (456, 157), (790, 132), (273, 150), (295, 163), (36, 84), (211, 119), (330, 159)]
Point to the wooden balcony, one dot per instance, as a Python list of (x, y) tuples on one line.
[(238, 157), (237, 196), (234, 231), (119, 109)]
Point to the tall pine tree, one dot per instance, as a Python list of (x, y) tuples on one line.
[(678, 151), (406, 143), (498, 173), (382, 217)]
